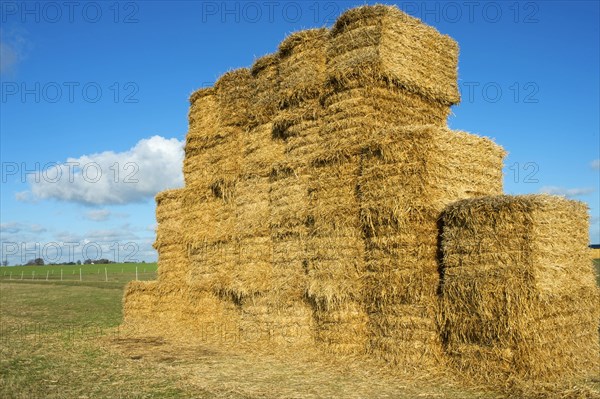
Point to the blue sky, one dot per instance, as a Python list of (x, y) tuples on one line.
[(105, 85)]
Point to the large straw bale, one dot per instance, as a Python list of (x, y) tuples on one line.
[(383, 43), (408, 175), (252, 207), (212, 266), (275, 319), (298, 128), (221, 159), (288, 199), (260, 151), (234, 97), (150, 304), (354, 114), (335, 251), (416, 168), (203, 130), (341, 328), (407, 336), (519, 297), (172, 254), (265, 90), (301, 72), (252, 273)]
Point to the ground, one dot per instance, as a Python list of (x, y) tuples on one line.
[(60, 339)]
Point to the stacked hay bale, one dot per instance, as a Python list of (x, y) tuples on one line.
[(518, 296), (299, 80), (156, 305), (211, 187), (172, 252), (314, 186), (271, 311), (391, 82), (409, 175)]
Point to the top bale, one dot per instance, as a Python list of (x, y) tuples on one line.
[(234, 97), (302, 66), (203, 92), (265, 91), (383, 43)]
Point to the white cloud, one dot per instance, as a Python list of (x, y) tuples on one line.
[(17, 227), (566, 192), (152, 165), (13, 49), (595, 164), (98, 215)]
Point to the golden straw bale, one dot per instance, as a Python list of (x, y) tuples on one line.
[(298, 128), (383, 43), (424, 167), (252, 210), (301, 72), (153, 306), (260, 151), (172, 253), (274, 319), (252, 273), (220, 160), (341, 328), (407, 336), (356, 114), (288, 197), (519, 294), (212, 266), (265, 91), (234, 97)]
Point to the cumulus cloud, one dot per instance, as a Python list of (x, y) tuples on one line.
[(595, 164), (152, 165), (566, 192)]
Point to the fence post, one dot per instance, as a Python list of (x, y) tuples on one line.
[(136, 274), (10, 278), (21, 274), (47, 274), (80, 278), (61, 275), (105, 275), (32, 274)]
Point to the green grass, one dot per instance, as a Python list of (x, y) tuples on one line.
[(119, 273)]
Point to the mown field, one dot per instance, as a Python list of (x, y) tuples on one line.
[(60, 339)]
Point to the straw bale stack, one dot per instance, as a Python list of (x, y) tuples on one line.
[(383, 43), (408, 176), (518, 296), (335, 250), (314, 185)]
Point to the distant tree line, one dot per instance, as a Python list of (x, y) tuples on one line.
[(40, 262)]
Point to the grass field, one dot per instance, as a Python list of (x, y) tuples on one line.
[(113, 272), (61, 340)]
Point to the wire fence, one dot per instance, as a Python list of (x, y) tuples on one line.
[(82, 274)]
